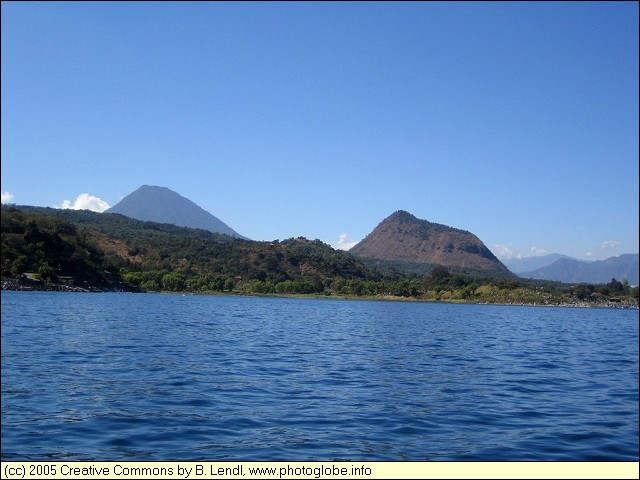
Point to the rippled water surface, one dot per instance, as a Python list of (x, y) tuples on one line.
[(169, 377)]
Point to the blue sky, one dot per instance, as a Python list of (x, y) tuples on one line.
[(515, 121)]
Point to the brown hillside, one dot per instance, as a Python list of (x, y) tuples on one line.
[(409, 243)]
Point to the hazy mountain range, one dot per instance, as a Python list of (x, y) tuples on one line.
[(570, 270), (529, 264)]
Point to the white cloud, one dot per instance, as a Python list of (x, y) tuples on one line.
[(505, 253), (344, 242), (589, 254), (86, 202), (7, 197), (537, 251), (610, 244)]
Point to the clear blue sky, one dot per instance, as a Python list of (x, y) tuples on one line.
[(515, 121)]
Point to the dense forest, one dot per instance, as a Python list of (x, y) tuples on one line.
[(45, 248)]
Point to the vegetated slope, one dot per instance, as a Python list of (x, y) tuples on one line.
[(53, 250), (162, 205), (141, 251), (407, 243)]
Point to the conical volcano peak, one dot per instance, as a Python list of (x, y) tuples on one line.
[(163, 205)]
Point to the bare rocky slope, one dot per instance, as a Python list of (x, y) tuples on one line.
[(405, 242)]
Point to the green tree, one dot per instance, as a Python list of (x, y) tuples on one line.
[(229, 284), (152, 285), (469, 291), (46, 273), (20, 264), (174, 282), (583, 291), (615, 286)]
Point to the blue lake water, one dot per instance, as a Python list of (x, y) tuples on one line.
[(168, 377)]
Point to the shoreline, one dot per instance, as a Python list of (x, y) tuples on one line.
[(11, 284)]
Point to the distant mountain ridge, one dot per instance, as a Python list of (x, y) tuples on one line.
[(163, 205), (569, 270), (407, 243), (528, 264)]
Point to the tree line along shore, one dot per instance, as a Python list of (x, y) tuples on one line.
[(76, 251)]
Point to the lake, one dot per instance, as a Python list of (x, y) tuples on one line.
[(116, 376)]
